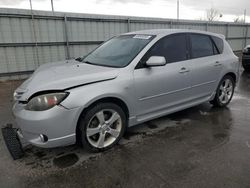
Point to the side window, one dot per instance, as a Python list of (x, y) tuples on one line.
[(201, 46), (219, 43), (172, 47)]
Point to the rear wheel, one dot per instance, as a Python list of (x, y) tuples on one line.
[(224, 92), (102, 126)]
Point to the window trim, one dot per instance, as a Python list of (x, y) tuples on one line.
[(141, 64)]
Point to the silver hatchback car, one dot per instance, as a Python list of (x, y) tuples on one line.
[(130, 79)]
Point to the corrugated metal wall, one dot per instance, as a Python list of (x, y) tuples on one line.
[(29, 40)]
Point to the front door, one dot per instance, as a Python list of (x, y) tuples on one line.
[(163, 88)]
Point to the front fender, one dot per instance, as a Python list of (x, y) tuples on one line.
[(86, 95)]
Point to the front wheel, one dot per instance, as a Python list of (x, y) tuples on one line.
[(224, 92), (102, 126)]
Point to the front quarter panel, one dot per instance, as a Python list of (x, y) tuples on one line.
[(120, 87)]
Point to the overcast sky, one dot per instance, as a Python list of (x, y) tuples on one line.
[(189, 9)]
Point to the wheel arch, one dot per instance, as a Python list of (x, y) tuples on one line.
[(233, 75), (213, 99), (114, 100)]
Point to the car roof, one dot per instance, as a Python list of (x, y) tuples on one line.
[(172, 31)]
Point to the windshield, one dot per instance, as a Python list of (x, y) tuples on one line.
[(118, 51)]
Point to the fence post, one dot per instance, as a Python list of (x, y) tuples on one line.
[(35, 39), (66, 37), (227, 25), (246, 33), (171, 24), (128, 22), (207, 26)]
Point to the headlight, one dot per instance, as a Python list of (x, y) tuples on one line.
[(45, 102)]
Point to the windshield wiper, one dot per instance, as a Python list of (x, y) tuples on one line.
[(87, 62), (102, 65), (80, 59)]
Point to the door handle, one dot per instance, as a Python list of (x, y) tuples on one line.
[(217, 63), (183, 70)]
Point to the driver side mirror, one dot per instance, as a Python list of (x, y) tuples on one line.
[(156, 61)]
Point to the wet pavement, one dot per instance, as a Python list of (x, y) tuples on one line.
[(198, 147)]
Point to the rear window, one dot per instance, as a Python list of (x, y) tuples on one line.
[(201, 45), (219, 43)]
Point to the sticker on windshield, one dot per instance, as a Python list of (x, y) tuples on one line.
[(146, 37)]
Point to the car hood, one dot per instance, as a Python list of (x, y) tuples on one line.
[(63, 75)]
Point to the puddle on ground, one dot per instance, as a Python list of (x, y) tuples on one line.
[(60, 153), (40, 154), (220, 136), (66, 160), (151, 125), (129, 134)]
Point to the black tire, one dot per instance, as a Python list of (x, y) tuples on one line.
[(13, 143), (216, 101), (88, 116)]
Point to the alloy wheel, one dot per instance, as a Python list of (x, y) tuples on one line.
[(225, 91), (104, 128)]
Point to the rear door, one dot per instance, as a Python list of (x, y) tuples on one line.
[(205, 66)]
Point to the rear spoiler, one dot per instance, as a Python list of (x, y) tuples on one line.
[(221, 36)]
